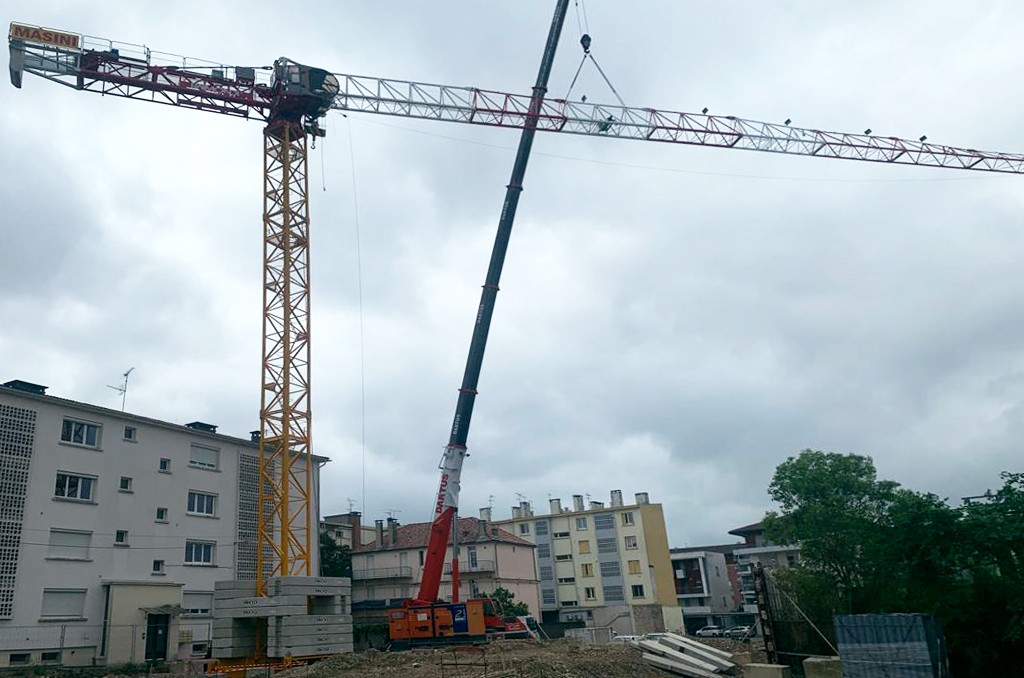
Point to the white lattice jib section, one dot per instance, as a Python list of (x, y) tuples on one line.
[(17, 433)]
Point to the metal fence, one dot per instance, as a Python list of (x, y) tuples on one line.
[(790, 634)]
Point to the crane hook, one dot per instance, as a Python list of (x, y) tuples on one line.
[(585, 41)]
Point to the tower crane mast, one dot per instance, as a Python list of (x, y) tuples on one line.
[(290, 98)]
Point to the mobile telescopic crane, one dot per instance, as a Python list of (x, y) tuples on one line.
[(290, 99)]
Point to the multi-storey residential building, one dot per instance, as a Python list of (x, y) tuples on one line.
[(607, 566), (758, 549), (114, 528), (389, 569), (346, 529), (706, 585)]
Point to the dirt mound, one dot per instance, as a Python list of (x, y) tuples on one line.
[(512, 659)]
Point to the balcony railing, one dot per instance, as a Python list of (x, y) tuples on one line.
[(400, 572), (466, 568)]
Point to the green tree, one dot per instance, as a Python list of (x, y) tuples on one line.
[(507, 604), (869, 545), (335, 560)]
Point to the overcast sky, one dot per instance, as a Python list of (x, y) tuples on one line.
[(672, 319)]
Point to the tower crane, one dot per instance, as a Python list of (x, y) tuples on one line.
[(290, 99)]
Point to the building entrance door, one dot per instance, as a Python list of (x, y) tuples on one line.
[(156, 636)]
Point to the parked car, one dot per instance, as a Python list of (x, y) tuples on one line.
[(709, 632), (737, 632), (628, 640), (653, 636)]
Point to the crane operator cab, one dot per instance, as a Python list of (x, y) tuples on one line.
[(303, 92)]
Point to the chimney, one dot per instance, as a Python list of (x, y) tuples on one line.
[(642, 498), (254, 437), (202, 426), (526, 509), (485, 513), (355, 521), (517, 512), (26, 386), (555, 505), (392, 532), (379, 524), (616, 498), (577, 502), (596, 505), (481, 529)]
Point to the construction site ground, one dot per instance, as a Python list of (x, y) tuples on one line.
[(507, 659)]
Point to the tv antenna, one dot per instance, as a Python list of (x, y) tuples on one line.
[(392, 513), (123, 388)]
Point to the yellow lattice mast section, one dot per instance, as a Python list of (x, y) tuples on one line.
[(285, 511)]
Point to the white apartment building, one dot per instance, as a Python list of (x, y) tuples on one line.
[(703, 587), (607, 566), (114, 528)]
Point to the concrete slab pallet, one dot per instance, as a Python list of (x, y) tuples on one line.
[(251, 612), (311, 581), (691, 647), (654, 647), (309, 650), (313, 629), (671, 666)]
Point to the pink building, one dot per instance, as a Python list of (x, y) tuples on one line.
[(389, 568)]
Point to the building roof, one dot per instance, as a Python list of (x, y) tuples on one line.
[(31, 391), (471, 531), (716, 548), (752, 529)]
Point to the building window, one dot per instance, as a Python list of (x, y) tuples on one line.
[(80, 433), (16, 658), (74, 486), (121, 537), (634, 566), (587, 569), (158, 567), (126, 484), (198, 553), (584, 546), (637, 590), (613, 594), (68, 603), (199, 649), (560, 535), (627, 518), (546, 573), (570, 603), (204, 457), (202, 504), (69, 545), (524, 528), (590, 593), (611, 569), (51, 657), (421, 558), (630, 541), (165, 465), (564, 556), (130, 434), (604, 521), (567, 580), (581, 523), (540, 527), (196, 602), (547, 596), (544, 550), (606, 545), (161, 514)]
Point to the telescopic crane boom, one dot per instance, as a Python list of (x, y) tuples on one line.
[(290, 99)]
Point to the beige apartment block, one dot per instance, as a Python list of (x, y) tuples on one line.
[(389, 569), (608, 566), (114, 529)]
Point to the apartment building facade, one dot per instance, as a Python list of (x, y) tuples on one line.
[(758, 549), (603, 565), (389, 569), (114, 528)]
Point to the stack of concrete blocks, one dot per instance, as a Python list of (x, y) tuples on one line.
[(304, 617)]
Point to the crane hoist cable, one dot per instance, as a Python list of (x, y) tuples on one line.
[(585, 42)]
